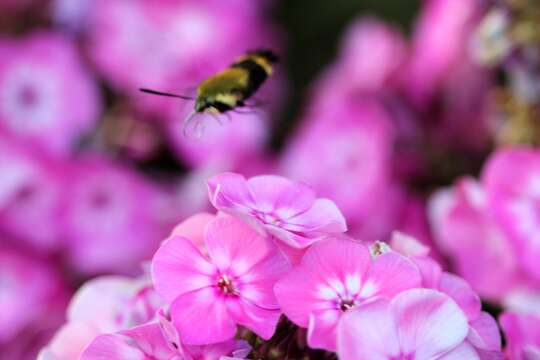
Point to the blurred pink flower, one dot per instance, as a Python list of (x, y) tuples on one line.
[(522, 332), (112, 217), (210, 294), (440, 41), (371, 56), (288, 210), (512, 181), (30, 192), (102, 305), (32, 302), (416, 324), (350, 141), (157, 341), (334, 276), (47, 98), (479, 250)]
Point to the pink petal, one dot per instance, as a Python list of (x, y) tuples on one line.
[(100, 300), (179, 267), (70, 341), (431, 271), (322, 329), (461, 352), (326, 264), (298, 296), (112, 347), (292, 254), (459, 290), (323, 216), (229, 191), (289, 238), (390, 274), (368, 332), (234, 245), (279, 194), (336, 258), (430, 323), (261, 321), (201, 317), (408, 245), (484, 333), (149, 339), (193, 229), (257, 285)]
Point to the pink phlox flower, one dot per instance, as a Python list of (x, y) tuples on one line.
[(483, 335), (334, 276), (512, 181), (479, 250), (286, 209), (416, 324), (210, 294), (47, 98), (103, 305)]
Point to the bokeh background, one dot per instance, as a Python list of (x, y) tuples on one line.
[(378, 104)]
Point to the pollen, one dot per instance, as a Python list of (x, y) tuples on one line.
[(226, 285)]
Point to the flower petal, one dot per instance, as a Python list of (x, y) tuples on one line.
[(179, 267), (298, 296), (368, 332), (484, 333), (430, 323), (230, 191), (268, 190), (201, 317), (261, 321), (193, 227), (257, 285), (390, 274), (459, 290), (234, 245), (323, 217), (322, 329), (462, 351), (113, 347)]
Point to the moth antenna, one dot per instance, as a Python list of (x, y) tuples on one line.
[(160, 93), (188, 121), (229, 118)]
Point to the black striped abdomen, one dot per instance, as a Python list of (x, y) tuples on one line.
[(256, 76)]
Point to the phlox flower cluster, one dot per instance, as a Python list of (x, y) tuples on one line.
[(400, 220), (274, 252)]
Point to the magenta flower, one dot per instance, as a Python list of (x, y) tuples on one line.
[(156, 341), (463, 223), (522, 333), (47, 96), (483, 337), (351, 142), (334, 276), (512, 181), (283, 208), (102, 305), (106, 226), (439, 43), (210, 294), (32, 302), (30, 193), (416, 324)]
